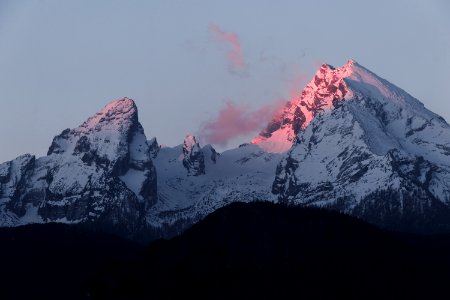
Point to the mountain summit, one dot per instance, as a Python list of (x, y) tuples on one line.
[(99, 172), (326, 90), (380, 154)]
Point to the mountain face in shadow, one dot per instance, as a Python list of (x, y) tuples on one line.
[(263, 250)]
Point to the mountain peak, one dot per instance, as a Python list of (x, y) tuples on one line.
[(193, 157), (107, 133), (114, 113), (101, 170), (120, 104), (379, 154), (189, 142), (347, 66), (323, 92), (332, 74)]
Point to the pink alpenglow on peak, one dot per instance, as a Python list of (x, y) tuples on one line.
[(106, 133), (324, 91), (114, 113)]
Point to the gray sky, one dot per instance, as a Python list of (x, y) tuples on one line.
[(62, 61)]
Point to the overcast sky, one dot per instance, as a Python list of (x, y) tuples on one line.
[(184, 61)]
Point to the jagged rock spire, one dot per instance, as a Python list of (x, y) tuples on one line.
[(326, 90), (193, 157)]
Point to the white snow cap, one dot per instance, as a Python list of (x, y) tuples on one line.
[(115, 111)]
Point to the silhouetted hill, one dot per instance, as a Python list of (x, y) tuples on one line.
[(55, 261), (257, 250), (262, 250)]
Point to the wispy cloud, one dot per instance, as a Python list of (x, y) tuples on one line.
[(235, 121), (234, 53)]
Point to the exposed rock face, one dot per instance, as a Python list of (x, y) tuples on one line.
[(210, 153), (327, 89), (99, 172), (193, 157), (153, 147)]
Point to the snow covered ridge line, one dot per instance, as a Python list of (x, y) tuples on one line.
[(352, 142)]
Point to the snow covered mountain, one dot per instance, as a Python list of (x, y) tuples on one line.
[(372, 151), (100, 172), (352, 142)]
